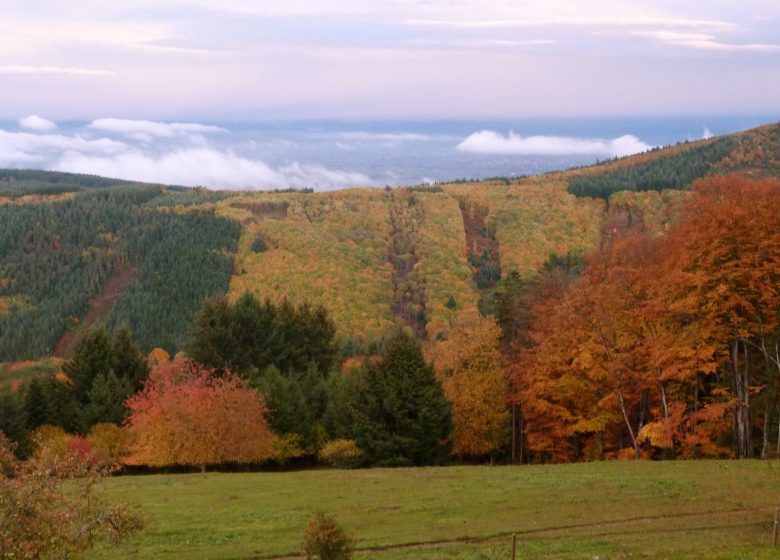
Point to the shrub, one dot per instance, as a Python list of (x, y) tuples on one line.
[(288, 446), (323, 539), (340, 452), (50, 441), (51, 508), (110, 443)]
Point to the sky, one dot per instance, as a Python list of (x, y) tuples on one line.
[(154, 90), (212, 60)]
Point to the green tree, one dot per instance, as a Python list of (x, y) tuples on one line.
[(92, 356), (249, 336), (106, 400), (63, 409), (36, 405), (12, 421), (402, 417), (129, 361)]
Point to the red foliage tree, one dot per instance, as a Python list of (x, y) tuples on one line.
[(185, 415)]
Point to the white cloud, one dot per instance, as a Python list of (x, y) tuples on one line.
[(583, 21), (706, 134), (190, 162), (489, 142), (210, 167), (143, 130), (34, 122), (703, 41), (53, 70), (18, 147)]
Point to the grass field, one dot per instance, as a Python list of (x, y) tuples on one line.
[(707, 509)]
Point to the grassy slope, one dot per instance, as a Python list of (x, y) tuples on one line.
[(707, 509)]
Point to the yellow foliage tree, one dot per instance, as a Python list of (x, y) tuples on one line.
[(469, 366)]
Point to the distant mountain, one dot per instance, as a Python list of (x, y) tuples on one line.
[(76, 250)]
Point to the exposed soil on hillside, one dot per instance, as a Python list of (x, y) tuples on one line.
[(621, 220), (276, 210), (99, 309), (408, 287), (483, 253)]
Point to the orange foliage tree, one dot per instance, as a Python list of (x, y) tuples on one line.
[(724, 259), (631, 351), (185, 415)]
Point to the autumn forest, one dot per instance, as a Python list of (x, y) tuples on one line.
[(628, 310)]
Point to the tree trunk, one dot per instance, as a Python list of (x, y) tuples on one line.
[(203, 467), (777, 451), (740, 384), (628, 423), (770, 407)]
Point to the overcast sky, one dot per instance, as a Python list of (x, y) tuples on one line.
[(209, 60)]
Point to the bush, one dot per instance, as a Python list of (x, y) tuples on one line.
[(288, 446), (49, 441), (110, 443), (340, 452), (323, 539), (51, 508)]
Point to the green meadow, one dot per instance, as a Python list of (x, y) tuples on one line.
[(685, 509)]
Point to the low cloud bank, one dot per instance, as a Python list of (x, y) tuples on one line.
[(209, 167), (34, 122), (152, 128), (182, 156), (490, 142)]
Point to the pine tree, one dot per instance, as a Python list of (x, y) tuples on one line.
[(93, 356), (36, 405), (63, 409), (129, 361), (402, 417), (12, 421), (106, 400)]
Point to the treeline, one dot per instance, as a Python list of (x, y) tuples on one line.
[(20, 182), (270, 389), (56, 257), (675, 171), (664, 346), (92, 388)]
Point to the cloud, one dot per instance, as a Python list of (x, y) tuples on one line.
[(209, 167), (34, 122), (25, 147), (53, 70), (190, 161), (706, 134), (584, 21), (489, 142), (143, 130), (703, 41)]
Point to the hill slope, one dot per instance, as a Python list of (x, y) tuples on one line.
[(78, 248)]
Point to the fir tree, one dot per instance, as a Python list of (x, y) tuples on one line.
[(93, 356), (128, 361), (13, 422), (36, 405), (106, 400), (402, 417)]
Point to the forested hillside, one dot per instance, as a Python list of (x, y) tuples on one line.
[(58, 254), (83, 248), (622, 310)]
